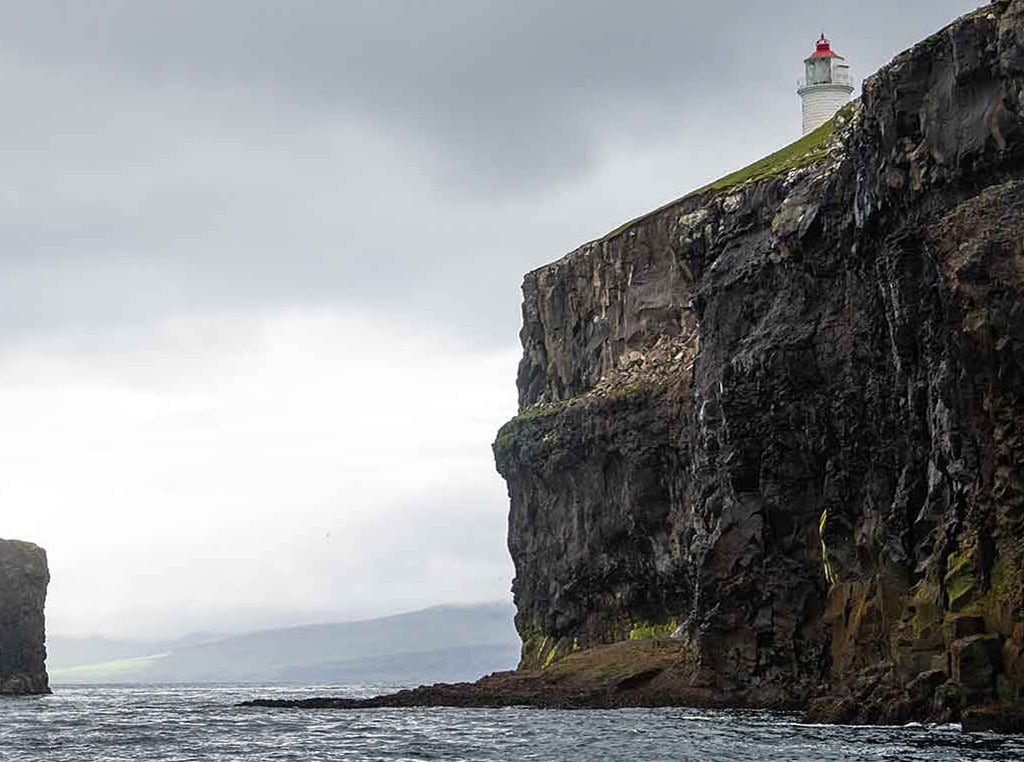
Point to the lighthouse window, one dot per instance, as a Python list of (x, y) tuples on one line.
[(819, 71)]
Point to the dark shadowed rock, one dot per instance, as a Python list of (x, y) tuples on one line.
[(23, 580), (921, 690), (994, 718), (965, 626), (975, 662)]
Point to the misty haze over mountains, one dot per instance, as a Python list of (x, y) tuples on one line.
[(441, 643)]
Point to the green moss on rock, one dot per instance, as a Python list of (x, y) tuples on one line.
[(1007, 581), (647, 630), (534, 642), (961, 580), (507, 433), (926, 612)]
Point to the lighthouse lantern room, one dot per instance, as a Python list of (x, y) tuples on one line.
[(826, 85)]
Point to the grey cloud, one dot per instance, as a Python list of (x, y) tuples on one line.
[(168, 157), (515, 93)]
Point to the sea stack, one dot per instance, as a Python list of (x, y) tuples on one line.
[(23, 579)]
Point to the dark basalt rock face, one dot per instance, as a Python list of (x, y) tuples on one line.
[(23, 579), (784, 421)]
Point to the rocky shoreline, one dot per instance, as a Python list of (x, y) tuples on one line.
[(641, 673), (637, 674)]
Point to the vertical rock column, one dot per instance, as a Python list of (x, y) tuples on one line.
[(23, 579)]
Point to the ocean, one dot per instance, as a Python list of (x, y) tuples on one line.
[(110, 723)]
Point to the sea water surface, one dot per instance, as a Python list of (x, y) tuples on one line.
[(128, 722)]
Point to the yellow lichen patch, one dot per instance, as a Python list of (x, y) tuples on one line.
[(961, 580), (540, 650), (647, 630), (550, 657), (535, 644), (830, 574)]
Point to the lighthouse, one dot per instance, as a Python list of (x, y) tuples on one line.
[(826, 85)]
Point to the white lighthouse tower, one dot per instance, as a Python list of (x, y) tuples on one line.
[(826, 85)]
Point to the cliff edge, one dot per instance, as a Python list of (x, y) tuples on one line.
[(779, 424), (23, 579), (770, 449)]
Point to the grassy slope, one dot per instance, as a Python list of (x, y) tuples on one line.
[(809, 149)]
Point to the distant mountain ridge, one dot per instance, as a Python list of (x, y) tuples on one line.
[(439, 643)]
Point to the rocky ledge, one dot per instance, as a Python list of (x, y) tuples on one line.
[(770, 449), (23, 579), (639, 673)]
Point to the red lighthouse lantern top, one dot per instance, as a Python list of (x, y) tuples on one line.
[(824, 49)]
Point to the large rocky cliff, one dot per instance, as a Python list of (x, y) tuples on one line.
[(780, 422), (23, 579)]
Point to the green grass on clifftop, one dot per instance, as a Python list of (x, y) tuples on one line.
[(809, 149)]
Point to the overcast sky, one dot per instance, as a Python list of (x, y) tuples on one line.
[(261, 266)]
